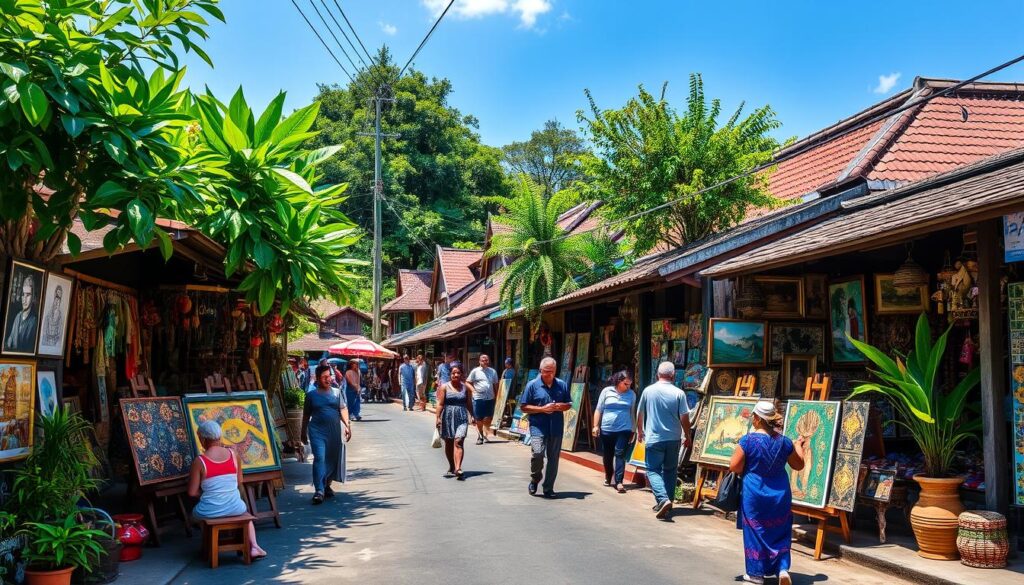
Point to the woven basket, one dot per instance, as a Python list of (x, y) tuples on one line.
[(982, 539)]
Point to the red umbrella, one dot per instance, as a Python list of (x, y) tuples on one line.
[(362, 347)]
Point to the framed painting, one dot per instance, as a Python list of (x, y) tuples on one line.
[(795, 371), (783, 296), (276, 402), (572, 416), (245, 421), (728, 419), (46, 384), (18, 381), (25, 284), (796, 338), (679, 353), (846, 318), (723, 381), (565, 368), (815, 296), (72, 404), (499, 403), (878, 485), (56, 306), (852, 431), (737, 343), (158, 437), (767, 383), (890, 300), (816, 421), (582, 349)]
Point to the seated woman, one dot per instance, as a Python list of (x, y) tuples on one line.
[(215, 478)]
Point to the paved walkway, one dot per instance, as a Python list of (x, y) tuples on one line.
[(399, 522)]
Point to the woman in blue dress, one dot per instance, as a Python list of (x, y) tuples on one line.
[(454, 408), (324, 415), (765, 512)]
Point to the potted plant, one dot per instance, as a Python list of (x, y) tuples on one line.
[(294, 400), (933, 419), (56, 549)]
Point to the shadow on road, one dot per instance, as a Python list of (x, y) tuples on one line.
[(572, 495)]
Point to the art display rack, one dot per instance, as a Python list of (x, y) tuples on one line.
[(583, 415), (709, 477)]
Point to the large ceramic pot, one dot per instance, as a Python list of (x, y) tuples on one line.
[(59, 577), (294, 419), (935, 517)]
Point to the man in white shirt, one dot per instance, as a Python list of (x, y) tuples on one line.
[(421, 381), (484, 381), (663, 425)]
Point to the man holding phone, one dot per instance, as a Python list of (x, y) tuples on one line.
[(545, 399)]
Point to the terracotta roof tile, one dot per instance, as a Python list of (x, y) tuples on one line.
[(314, 342), (456, 267), (413, 290)]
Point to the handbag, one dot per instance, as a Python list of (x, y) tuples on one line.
[(728, 498), (436, 441)]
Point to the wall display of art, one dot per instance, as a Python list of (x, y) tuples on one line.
[(679, 353), (849, 448), (783, 296), (893, 333), (693, 356), (846, 318), (891, 300), (767, 383), (25, 284), (277, 411), (582, 355), (1015, 313), (244, 419), (796, 338), (566, 365), (501, 398), (46, 383), (817, 421), (723, 381), (815, 296), (18, 381), (878, 485), (696, 329), (680, 330), (737, 343), (159, 438), (572, 416), (729, 418), (56, 306), (693, 375), (795, 371)]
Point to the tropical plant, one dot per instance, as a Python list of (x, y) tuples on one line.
[(552, 157), (64, 543), (648, 155), (294, 398), (933, 418)]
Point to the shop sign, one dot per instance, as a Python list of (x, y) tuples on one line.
[(1013, 236)]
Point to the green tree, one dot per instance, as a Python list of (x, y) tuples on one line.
[(552, 157), (649, 154)]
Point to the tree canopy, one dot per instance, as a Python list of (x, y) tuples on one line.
[(552, 157)]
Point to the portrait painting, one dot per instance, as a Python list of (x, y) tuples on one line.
[(159, 438), (796, 338), (21, 319), (783, 296), (729, 419), (245, 423), (54, 316), (572, 416), (846, 319), (18, 381), (679, 353), (815, 296), (817, 422), (737, 343), (46, 383), (796, 369), (890, 300)]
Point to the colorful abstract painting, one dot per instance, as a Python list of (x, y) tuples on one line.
[(158, 437), (245, 423), (1015, 293), (817, 421), (572, 416), (18, 384), (852, 429), (728, 419)]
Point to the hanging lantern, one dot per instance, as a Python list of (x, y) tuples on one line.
[(276, 324), (910, 276), (183, 303), (750, 301), (256, 341)]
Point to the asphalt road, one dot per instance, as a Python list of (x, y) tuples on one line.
[(398, 521)]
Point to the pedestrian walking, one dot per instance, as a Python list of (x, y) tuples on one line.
[(407, 382), (662, 417), (353, 386), (765, 513), (304, 375), (454, 403), (484, 381), (443, 375), (421, 381), (614, 424), (545, 398), (324, 419), (509, 373)]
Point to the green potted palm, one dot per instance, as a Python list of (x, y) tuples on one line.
[(294, 400), (56, 548), (933, 419)]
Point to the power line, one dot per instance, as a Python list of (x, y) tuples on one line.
[(428, 249), (795, 153), (354, 33), (342, 30), (426, 38), (313, 28), (329, 30)]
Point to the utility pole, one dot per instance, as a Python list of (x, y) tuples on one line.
[(378, 192)]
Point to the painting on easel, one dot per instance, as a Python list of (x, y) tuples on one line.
[(572, 416), (817, 422), (729, 418), (245, 420), (158, 437)]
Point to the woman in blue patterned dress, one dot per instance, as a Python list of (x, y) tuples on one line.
[(454, 405), (765, 512), (324, 415)]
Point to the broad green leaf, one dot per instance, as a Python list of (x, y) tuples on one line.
[(72, 125), (15, 71), (163, 239), (33, 102), (266, 298), (74, 244), (269, 119), (234, 136), (140, 221), (109, 194), (114, 20), (299, 122), (263, 254), (294, 178)]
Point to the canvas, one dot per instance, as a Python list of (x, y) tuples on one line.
[(878, 485), (499, 403), (724, 381), (890, 300), (25, 284), (582, 350), (158, 437), (796, 338), (244, 421), (767, 383), (679, 353), (849, 448), (818, 421), (729, 419), (520, 422), (572, 416), (737, 343), (275, 400), (815, 296), (566, 366), (846, 317), (46, 382), (18, 381), (54, 316), (783, 296), (700, 426), (1017, 438)]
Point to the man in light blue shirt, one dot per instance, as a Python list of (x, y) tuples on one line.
[(407, 381), (662, 418)]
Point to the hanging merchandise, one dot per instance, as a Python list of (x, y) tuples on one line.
[(967, 351), (909, 276)]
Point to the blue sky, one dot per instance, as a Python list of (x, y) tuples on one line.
[(516, 63)]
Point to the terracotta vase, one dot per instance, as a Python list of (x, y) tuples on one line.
[(58, 577), (935, 517)]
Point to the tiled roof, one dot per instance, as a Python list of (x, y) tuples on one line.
[(324, 307), (442, 328), (314, 342), (455, 267), (817, 167), (413, 291)]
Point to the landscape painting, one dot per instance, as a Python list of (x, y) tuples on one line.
[(846, 318), (890, 300), (783, 296), (245, 423), (817, 421), (729, 418), (158, 437), (736, 343), (796, 338)]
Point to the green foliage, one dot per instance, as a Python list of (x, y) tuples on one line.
[(931, 416), (294, 398), (649, 154), (64, 543), (303, 327), (552, 157)]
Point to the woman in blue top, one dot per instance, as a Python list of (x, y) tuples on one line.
[(323, 416), (614, 422)]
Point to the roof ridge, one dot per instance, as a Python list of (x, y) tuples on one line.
[(884, 137)]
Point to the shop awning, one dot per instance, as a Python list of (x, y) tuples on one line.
[(982, 191)]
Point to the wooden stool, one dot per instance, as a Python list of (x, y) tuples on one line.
[(212, 544)]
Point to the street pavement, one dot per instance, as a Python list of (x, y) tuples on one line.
[(398, 521)]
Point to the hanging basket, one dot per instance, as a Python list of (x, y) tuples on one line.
[(909, 277)]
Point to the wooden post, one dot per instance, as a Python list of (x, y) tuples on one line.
[(993, 371)]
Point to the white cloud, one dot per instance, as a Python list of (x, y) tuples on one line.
[(389, 29), (526, 10), (887, 82)]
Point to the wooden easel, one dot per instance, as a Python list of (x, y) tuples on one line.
[(260, 485), (745, 386), (141, 386), (217, 382), (818, 388), (175, 489), (247, 381)]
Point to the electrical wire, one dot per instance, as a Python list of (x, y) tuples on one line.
[(342, 30), (429, 250), (426, 38), (329, 51), (333, 36), (354, 33)]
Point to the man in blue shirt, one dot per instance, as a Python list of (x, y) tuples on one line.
[(444, 374), (662, 415), (407, 381), (544, 400)]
